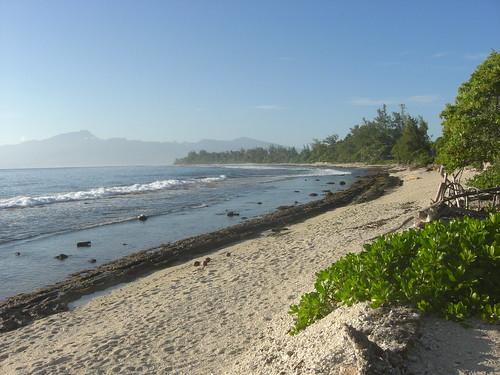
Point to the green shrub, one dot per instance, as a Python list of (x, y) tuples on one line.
[(449, 268), (487, 179)]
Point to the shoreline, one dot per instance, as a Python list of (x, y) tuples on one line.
[(231, 317), (22, 309)]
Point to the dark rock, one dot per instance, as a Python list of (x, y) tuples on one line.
[(61, 256), (313, 194), (232, 213), (17, 253), (317, 179), (142, 217), (228, 254), (84, 244), (330, 183), (283, 207), (296, 202), (342, 183), (93, 260), (326, 191), (296, 191), (278, 230), (259, 202), (196, 263), (206, 261), (244, 218), (124, 244)]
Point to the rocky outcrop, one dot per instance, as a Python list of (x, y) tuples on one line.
[(355, 340)]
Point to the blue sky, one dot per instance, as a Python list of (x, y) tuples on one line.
[(281, 71)]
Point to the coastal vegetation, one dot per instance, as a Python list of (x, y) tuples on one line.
[(449, 268), (471, 126), (395, 136), (452, 269)]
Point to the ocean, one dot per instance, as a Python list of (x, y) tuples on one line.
[(45, 212)]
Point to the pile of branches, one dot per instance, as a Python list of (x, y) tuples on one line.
[(454, 200)]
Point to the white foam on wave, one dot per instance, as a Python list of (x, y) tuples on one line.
[(102, 192), (311, 171)]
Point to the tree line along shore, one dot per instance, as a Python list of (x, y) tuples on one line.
[(470, 137)]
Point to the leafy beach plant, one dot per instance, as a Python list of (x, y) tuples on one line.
[(452, 269)]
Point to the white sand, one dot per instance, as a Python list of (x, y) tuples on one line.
[(188, 320)]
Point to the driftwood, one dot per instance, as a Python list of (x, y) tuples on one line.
[(454, 200), (454, 194)]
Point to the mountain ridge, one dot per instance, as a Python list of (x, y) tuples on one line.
[(84, 149)]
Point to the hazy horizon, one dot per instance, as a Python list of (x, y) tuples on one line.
[(243, 137), (184, 71)]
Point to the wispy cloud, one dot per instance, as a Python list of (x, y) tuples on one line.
[(268, 107), (476, 56), (417, 99), (371, 102), (439, 55), (423, 99)]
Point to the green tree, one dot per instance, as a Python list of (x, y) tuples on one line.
[(471, 126), (414, 146)]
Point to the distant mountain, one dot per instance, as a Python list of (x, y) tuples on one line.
[(85, 149)]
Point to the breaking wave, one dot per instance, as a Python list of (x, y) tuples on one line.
[(102, 192)]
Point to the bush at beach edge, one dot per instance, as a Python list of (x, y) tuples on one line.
[(452, 269)]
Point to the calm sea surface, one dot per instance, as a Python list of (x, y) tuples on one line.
[(44, 212)]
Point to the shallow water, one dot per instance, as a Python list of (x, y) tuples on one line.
[(44, 212)]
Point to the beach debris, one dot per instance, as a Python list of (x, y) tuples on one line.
[(61, 256), (142, 217), (313, 194), (17, 253), (196, 263), (206, 261), (232, 213), (92, 260), (228, 254), (84, 244)]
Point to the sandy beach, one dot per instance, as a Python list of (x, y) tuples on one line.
[(211, 320)]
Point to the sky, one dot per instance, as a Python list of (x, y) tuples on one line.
[(280, 71)]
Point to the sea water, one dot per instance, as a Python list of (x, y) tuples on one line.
[(45, 212)]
